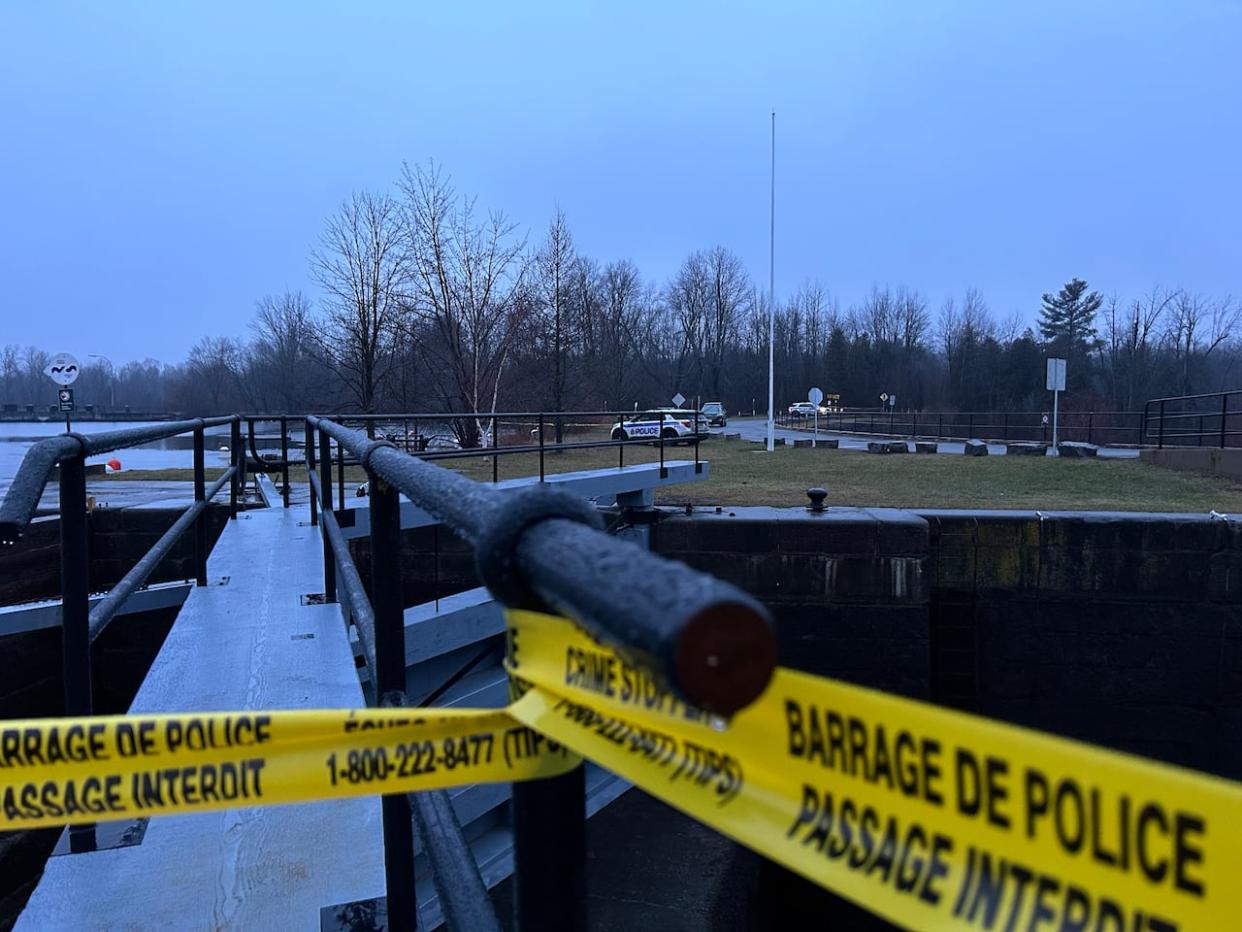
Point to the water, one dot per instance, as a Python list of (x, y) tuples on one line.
[(173, 453)]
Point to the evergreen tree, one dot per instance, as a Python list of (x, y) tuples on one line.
[(1067, 322), (1067, 319)]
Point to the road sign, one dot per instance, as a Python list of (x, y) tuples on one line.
[(1056, 385), (815, 396), (884, 396), (892, 401), (66, 399), (63, 369), (678, 400), (1056, 375)]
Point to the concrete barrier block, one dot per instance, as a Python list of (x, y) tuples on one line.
[(825, 443), (733, 436), (802, 443), (877, 446), (926, 446), (1026, 449), (1076, 450), (976, 448)]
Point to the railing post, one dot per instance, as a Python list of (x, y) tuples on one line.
[(495, 449), (237, 457), (200, 523), (970, 426), (663, 468), (1090, 427), (1160, 439), (1199, 439), (310, 467), (387, 605), (549, 853), (325, 505), (541, 447), (340, 478), (1005, 428), (284, 457), (75, 610), (1224, 414), (940, 427)]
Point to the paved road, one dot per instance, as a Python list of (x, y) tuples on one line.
[(757, 428)]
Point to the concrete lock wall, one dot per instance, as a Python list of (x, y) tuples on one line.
[(119, 538), (1122, 630)]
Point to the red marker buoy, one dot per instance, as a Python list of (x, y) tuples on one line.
[(114, 464)]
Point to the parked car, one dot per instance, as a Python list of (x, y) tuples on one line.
[(804, 409), (715, 413), (669, 423)]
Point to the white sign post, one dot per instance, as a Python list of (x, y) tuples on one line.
[(63, 370), (815, 396), (1056, 385)]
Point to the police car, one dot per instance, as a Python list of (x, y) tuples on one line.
[(669, 423)]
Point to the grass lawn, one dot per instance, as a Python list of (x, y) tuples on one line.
[(742, 474)]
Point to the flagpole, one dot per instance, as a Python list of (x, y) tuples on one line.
[(772, 297)]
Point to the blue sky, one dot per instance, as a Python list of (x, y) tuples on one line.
[(163, 165)]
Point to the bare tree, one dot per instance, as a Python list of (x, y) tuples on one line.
[(729, 291), (554, 265), (688, 298), (469, 286), (625, 301), (216, 364), (285, 349), (364, 268), (1197, 326)]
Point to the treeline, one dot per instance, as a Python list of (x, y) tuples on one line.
[(430, 303)]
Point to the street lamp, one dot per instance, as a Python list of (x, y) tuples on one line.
[(111, 377)]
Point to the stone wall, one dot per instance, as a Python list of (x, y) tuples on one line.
[(1124, 630)]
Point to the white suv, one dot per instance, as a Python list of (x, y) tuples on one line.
[(669, 423)]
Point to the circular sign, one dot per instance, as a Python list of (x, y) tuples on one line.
[(815, 396), (884, 396), (63, 369)]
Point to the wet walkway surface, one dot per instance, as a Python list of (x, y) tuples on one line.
[(757, 429)]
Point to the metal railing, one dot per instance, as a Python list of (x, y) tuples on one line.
[(65, 456), (514, 433), (1211, 420), (705, 640), (1096, 427)]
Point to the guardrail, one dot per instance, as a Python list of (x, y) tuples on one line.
[(1189, 420), (705, 640), (66, 455), (1098, 427)]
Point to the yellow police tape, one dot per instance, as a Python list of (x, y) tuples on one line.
[(58, 771), (931, 818)]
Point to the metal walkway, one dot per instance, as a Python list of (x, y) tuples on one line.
[(243, 642), (247, 641)]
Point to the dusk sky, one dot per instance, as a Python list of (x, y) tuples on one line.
[(163, 165)]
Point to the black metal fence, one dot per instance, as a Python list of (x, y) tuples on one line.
[(64, 457), (705, 640), (1211, 420), (538, 434), (1098, 427)]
